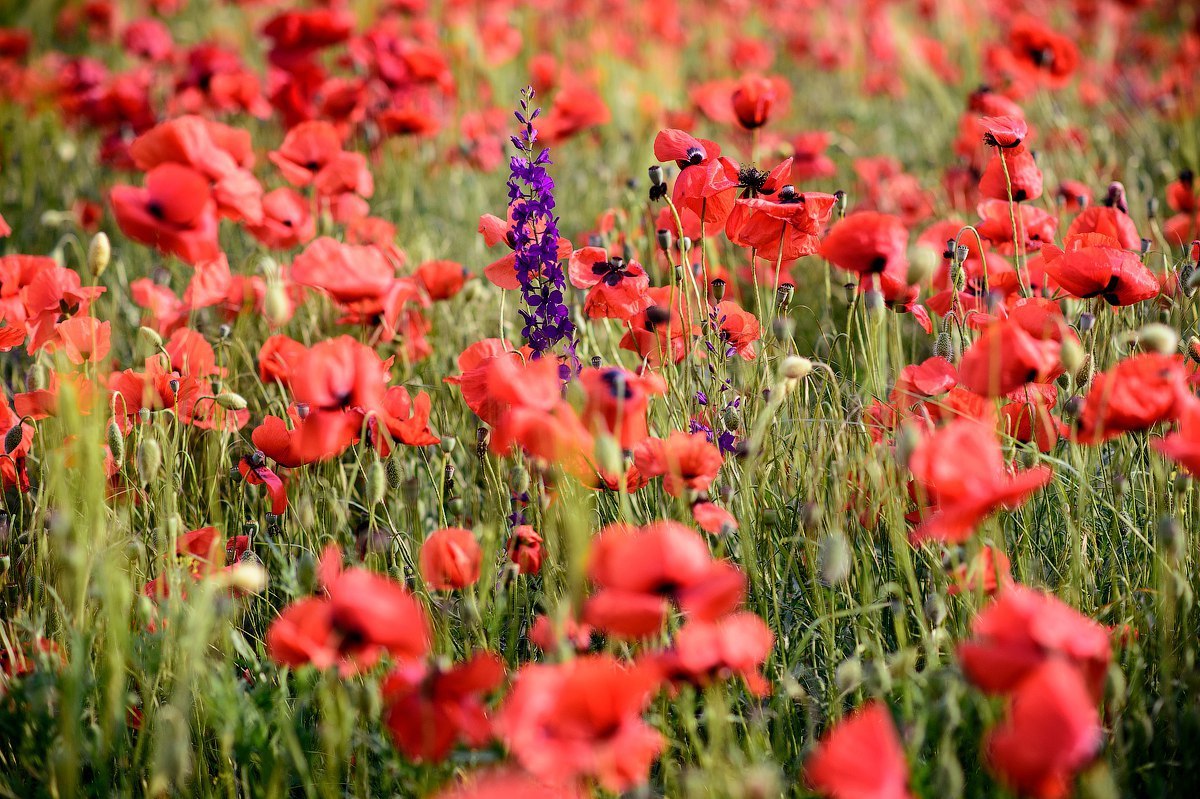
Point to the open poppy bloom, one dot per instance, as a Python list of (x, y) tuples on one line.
[(348, 273), (173, 212), (1037, 54), (618, 401), (1012, 174), (1051, 732), (739, 328), (702, 652), (962, 469), (860, 758), (1006, 357), (360, 617), (1094, 265), (287, 220), (783, 227), (429, 709), (1035, 226), (664, 331), (339, 381), (1021, 630), (706, 187), (868, 243), (1135, 394), (202, 553), (639, 572), (617, 288), (686, 461), (582, 719), (987, 572)]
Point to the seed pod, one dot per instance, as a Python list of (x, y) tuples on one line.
[(656, 174), (148, 458), (841, 198), (13, 438), (665, 239), (448, 444), (377, 483), (718, 289), (99, 254)]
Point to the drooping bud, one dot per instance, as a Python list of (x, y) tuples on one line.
[(116, 441), (148, 458), (377, 483), (12, 439), (1157, 337), (231, 401), (275, 303), (150, 336)]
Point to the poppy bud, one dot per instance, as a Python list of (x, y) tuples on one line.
[(99, 254), (794, 367), (12, 439), (921, 266), (1073, 406), (943, 347), (841, 198), (718, 289), (377, 483), (783, 328), (783, 295), (873, 300), (231, 401), (116, 440), (848, 675), (246, 577), (275, 303), (1086, 320), (1116, 197), (834, 560), (39, 377), (151, 337), (148, 458), (450, 559), (1171, 536), (935, 610), (665, 239), (525, 549), (395, 473), (1071, 354), (306, 571), (1157, 337)]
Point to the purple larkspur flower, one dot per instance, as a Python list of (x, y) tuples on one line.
[(548, 323)]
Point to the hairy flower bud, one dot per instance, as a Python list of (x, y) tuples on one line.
[(99, 254)]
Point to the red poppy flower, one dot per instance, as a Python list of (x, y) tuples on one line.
[(1021, 630), (1183, 446), (255, 471), (576, 108), (429, 709), (1039, 54), (1136, 394), (1021, 182), (713, 518), (406, 419), (362, 616), (1052, 731), (706, 187), (705, 651), (339, 380), (617, 288), (221, 153), (1094, 265), (1107, 221), (781, 228), (809, 161), (738, 327), (84, 339), (685, 461), (348, 273), (287, 221), (505, 784), (963, 470), (202, 553), (277, 358), (868, 243), (307, 149), (524, 549), (450, 559), (1026, 416), (860, 758), (617, 402), (174, 212), (582, 720), (754, 97), (1006, 357), (640, 571), (1035, 226), (988, 572), (441, 279), (664, 331), (1004, 131)]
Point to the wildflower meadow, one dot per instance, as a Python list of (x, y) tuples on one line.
[(472, 399)]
